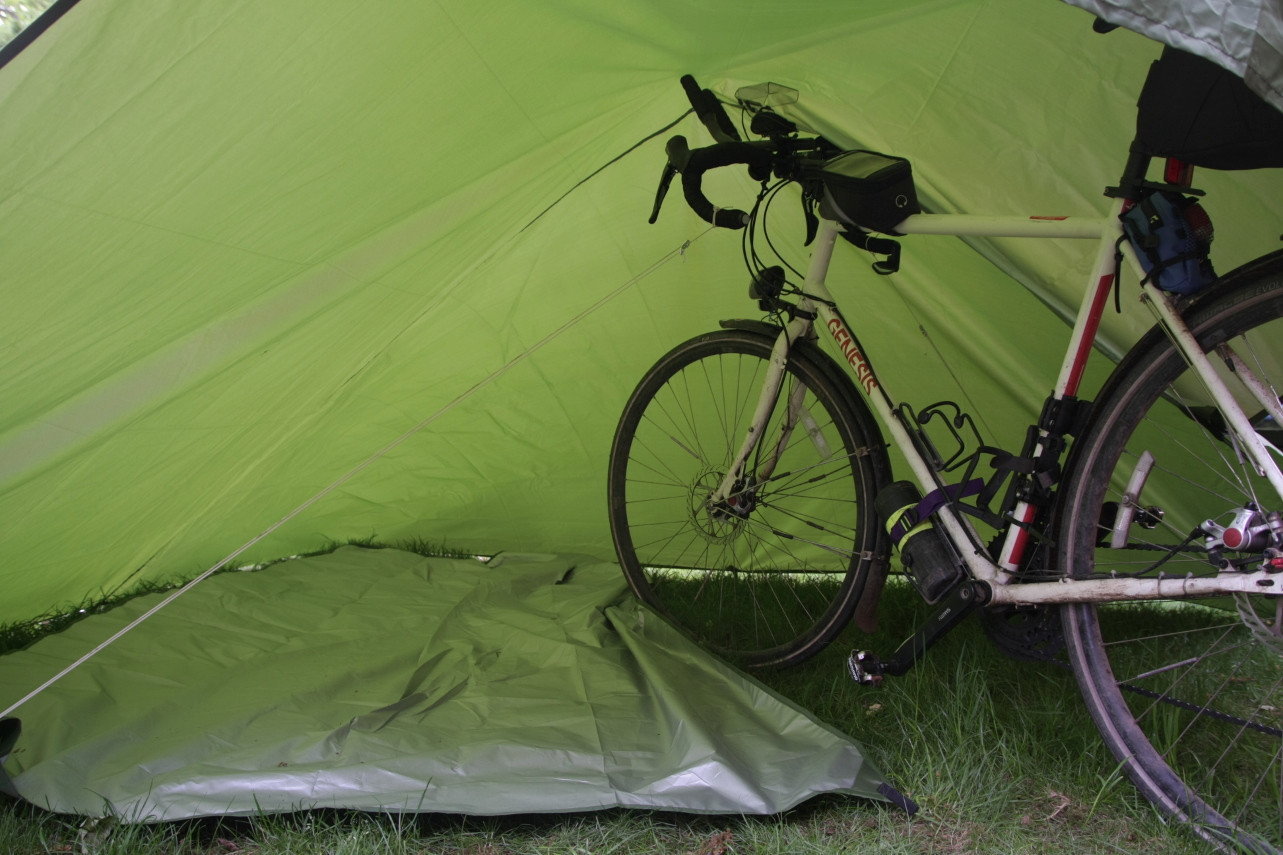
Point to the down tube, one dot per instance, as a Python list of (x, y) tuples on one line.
[(957, 530)]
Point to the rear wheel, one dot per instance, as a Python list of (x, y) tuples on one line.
[(771, 574), (1188, 694)]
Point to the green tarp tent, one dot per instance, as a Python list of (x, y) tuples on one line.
[(282, 273), (248, 246)]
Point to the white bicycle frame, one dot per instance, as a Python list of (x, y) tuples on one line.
[(817, 304)]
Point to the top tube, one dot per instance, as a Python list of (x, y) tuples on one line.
[(1007, 226)]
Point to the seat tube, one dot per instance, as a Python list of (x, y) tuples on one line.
[(1082, 339)]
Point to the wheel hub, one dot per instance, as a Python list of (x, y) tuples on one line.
[(720, 520)]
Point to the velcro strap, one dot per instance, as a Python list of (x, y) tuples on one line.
[(932, 502)]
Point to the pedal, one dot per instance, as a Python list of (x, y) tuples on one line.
[(865, 668)]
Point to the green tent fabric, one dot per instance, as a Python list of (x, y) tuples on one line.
[(281, 273), (248, 246), (382, 680)]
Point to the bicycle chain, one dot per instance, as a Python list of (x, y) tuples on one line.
[(1202, 710), (1198, 709)]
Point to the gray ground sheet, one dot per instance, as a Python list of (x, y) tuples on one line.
[(377, 679)]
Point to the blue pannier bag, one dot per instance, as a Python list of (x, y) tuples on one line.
[(1171, 234)]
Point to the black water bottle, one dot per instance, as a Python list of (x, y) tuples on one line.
[(930, 562)]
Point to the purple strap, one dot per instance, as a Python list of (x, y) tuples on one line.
[(932, 502)]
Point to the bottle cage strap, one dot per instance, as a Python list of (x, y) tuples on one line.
[(932, 502)]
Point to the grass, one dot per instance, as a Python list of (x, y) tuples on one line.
[(818, 828), (1000, 755)]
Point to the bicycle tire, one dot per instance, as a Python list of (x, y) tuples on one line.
[(774, 584), (1187, 695)]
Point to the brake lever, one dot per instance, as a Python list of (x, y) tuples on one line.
[(679, 154), (665, 181)]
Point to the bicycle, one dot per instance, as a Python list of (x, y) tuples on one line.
[(752, 500)]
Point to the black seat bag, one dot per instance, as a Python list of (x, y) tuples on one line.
[(1193, 110)]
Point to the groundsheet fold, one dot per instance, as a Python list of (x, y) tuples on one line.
[(377, 679)]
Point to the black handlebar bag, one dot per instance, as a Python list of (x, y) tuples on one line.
[(868, 189), (1194, 110)]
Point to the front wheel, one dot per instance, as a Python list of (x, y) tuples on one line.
[(1187, 694), (771, 573)]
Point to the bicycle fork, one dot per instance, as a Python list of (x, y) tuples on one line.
[(801, 327), (734, 495)]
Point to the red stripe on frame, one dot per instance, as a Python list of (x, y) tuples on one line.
[(1021, 540), (1089, 334)]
